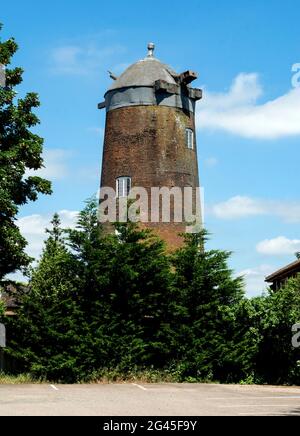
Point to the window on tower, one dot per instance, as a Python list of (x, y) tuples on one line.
[(189, 138), (123, 186)]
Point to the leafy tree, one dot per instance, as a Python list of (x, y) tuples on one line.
[(244, 335), (277, 361), (20, 151)]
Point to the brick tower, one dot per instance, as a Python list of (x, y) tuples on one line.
[(150, 138)]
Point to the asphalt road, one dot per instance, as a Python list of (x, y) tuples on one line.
[(149, 400)]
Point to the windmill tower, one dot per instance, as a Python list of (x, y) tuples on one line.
[(150, 138)]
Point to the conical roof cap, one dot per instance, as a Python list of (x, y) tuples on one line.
[(145, 72)]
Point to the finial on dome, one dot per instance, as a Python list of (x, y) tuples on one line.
[(151, 48)]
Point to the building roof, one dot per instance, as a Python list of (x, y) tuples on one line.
[(287, 271), (149, 82), (145, 72), (10, 293)]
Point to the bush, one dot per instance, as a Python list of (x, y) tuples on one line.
[(277, 361)]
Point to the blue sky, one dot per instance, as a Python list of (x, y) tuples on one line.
[(248, 123)]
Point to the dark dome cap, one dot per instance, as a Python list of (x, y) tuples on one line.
[(145, 72)]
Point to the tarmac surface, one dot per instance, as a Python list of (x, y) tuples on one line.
[(148, 400)]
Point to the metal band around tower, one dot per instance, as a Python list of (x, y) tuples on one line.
[(146, 96)]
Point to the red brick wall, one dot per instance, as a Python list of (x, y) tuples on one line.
[(148, 144)]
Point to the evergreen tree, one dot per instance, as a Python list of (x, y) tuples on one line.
[(126, 290), (120, 302), (94, 255), (47, 337), (20, 150), (208, 294), (94, 302), (141, 298)]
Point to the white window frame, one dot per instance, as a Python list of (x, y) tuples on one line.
[(123, 186), (189, 138)]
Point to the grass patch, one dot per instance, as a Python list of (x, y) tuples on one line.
[(6, 379), (147, 376), (140, 376), (103, 376), (107, 376)]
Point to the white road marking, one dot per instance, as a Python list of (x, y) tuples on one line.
[(139, 386), (264, 414), (54, 387), (283, 397), (254, 405)]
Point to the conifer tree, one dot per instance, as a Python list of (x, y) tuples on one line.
[(208, 293), (141, 297), (126, 290), (47, 336)]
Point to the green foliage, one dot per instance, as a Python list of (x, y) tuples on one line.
[(207, 293), (243, 338), (139, 298), (119, 308), (91, 305), (121, 302), (277, 361), (2, 309), (50, 321), (20, 151)]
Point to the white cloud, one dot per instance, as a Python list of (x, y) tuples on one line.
[(210, 162), (238, 207), (239, 112), (278, 246), (33, 229), (82, 59), (66, 58), (55, 166), (255, 279), (243, 207)]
